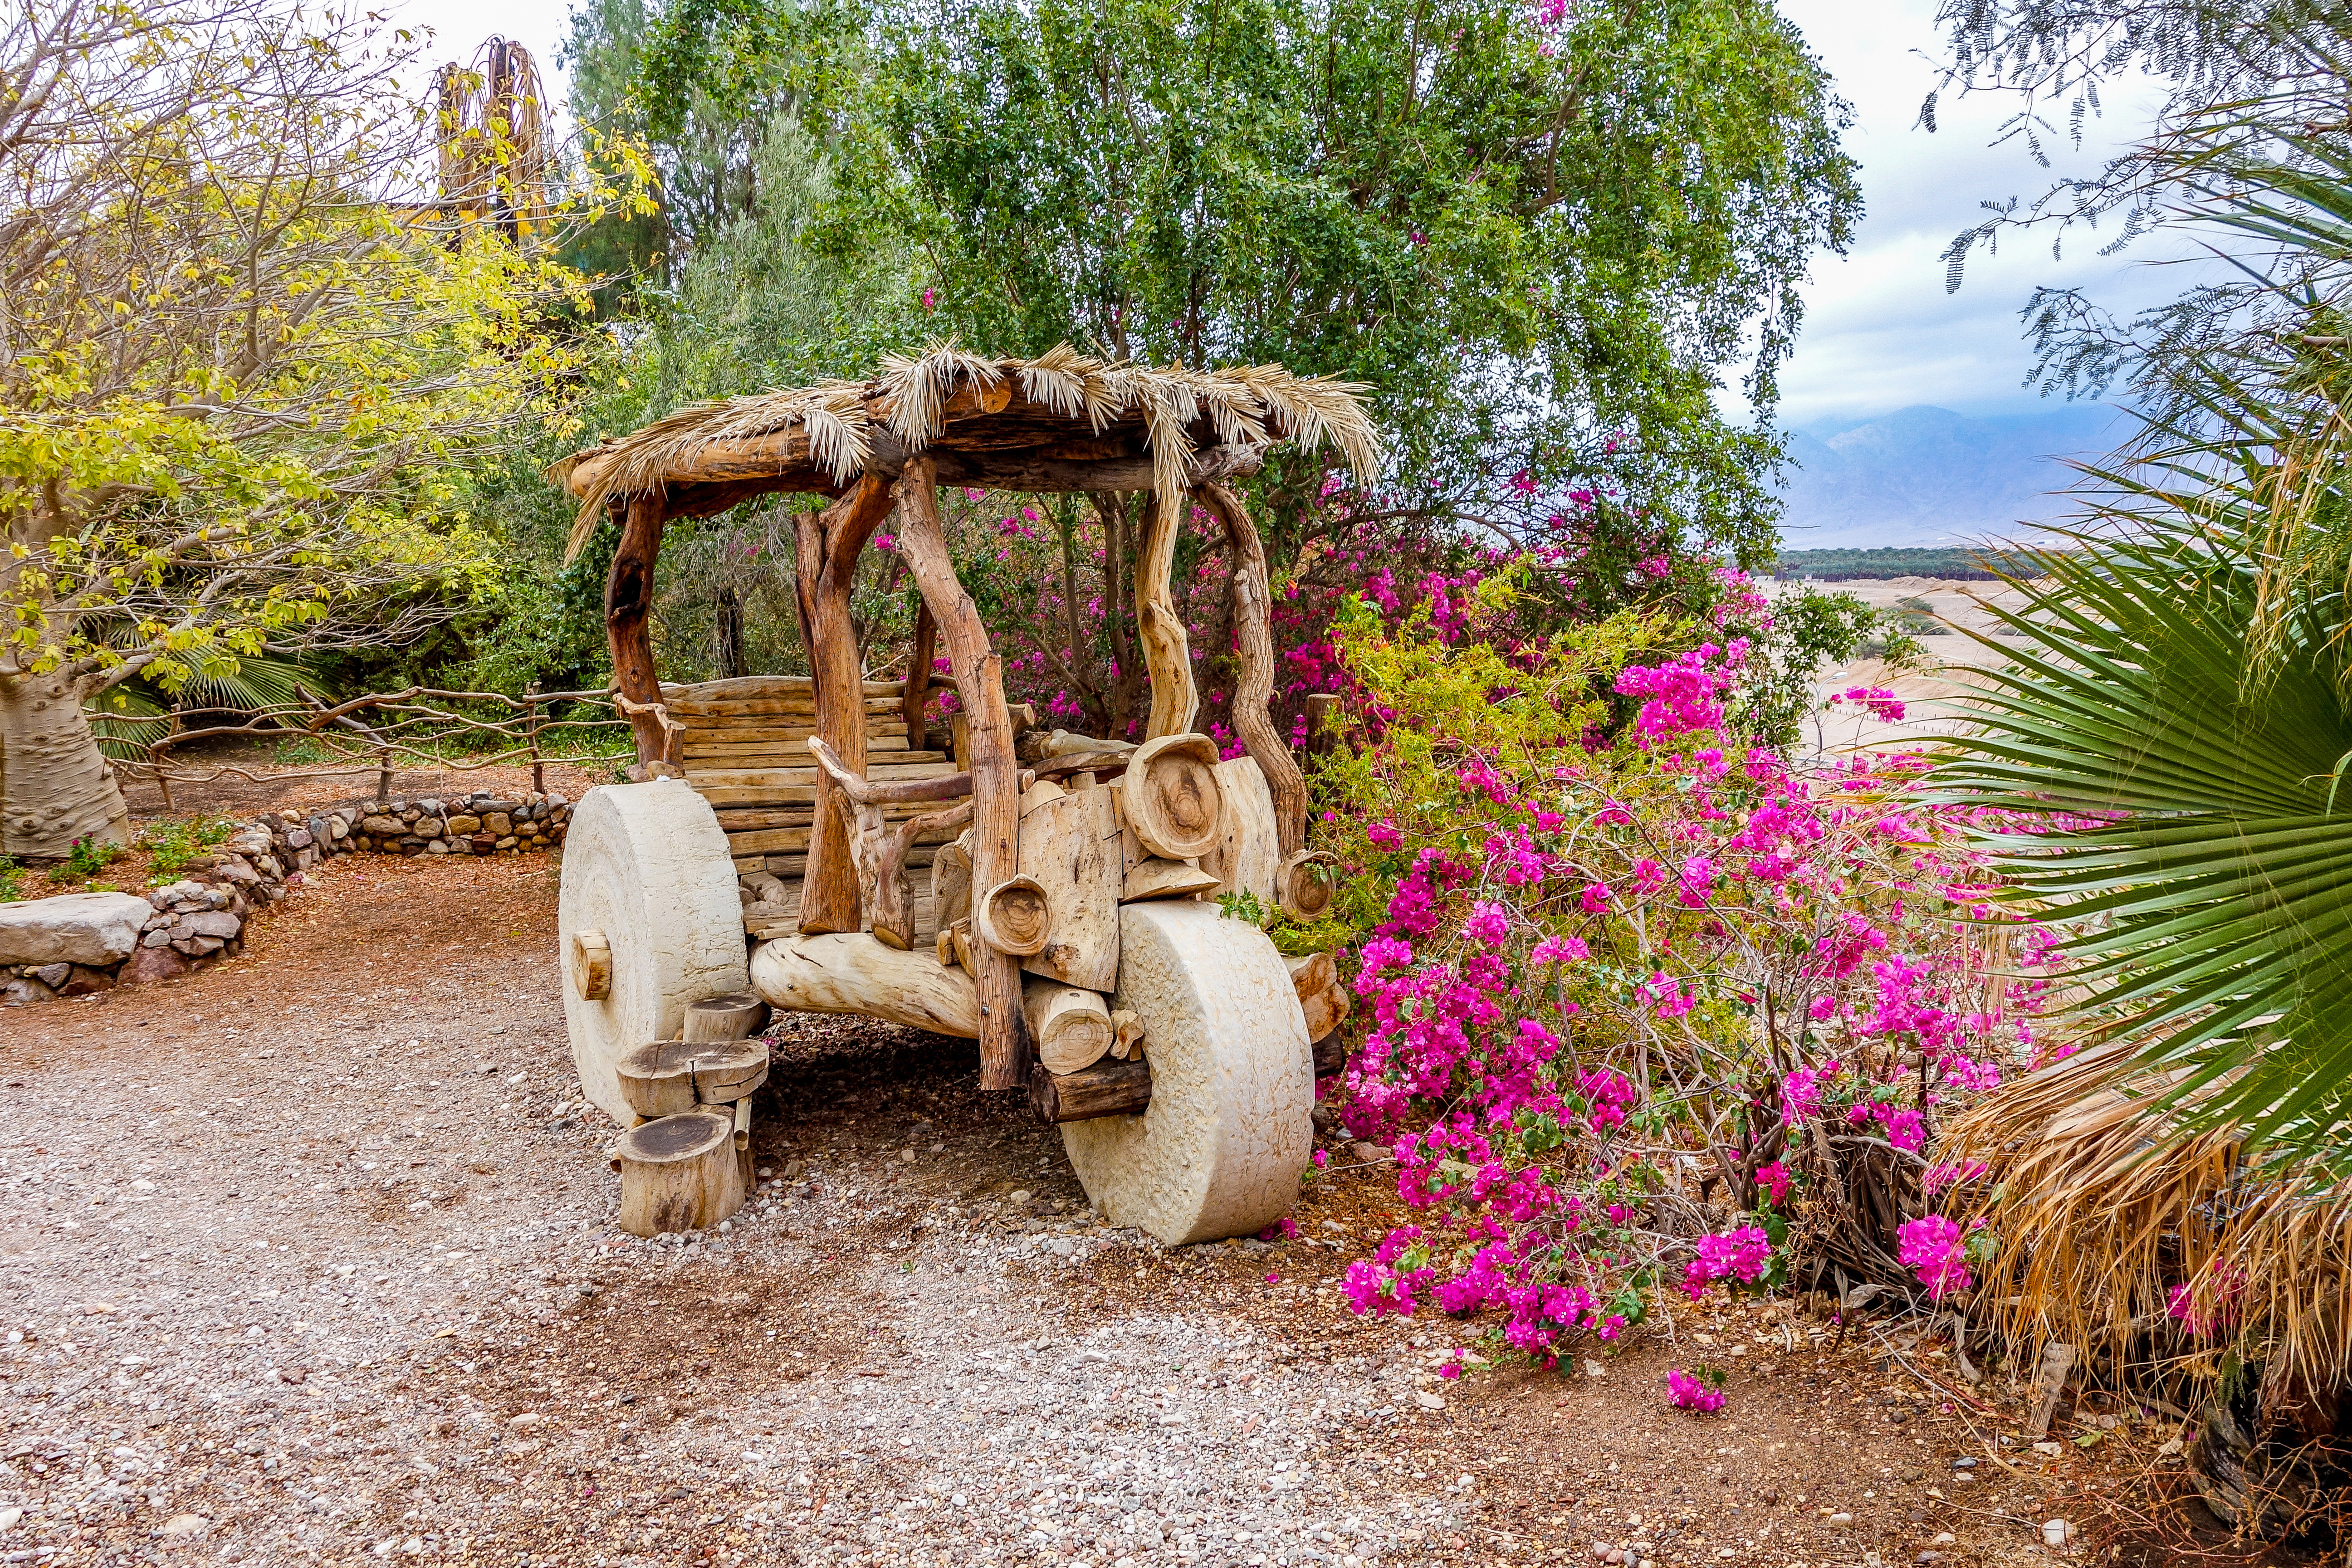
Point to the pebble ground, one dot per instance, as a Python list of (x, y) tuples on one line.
[(308, 1257)]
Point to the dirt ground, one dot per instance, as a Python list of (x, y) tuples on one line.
[(308, 1257)]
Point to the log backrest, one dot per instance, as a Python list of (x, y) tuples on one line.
[(757, 722)]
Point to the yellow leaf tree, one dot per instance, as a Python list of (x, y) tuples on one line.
[(242, 365)]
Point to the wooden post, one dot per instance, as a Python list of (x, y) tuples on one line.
[(531, 730), (826, 557), (1004, 1044), (628, 602), (1167, 652), (919, 676), (1252, 617)]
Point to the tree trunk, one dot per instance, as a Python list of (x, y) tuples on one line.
[(55, 786), (1127, 686), (628, 604), (920, 659), (729, 611)]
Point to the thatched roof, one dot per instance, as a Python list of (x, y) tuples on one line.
[(1062, 421)]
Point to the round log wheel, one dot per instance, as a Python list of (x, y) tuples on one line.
[(646, 865), (1219, 1150)]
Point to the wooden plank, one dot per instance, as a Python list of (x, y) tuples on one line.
[(917, 765), (777, 759), (712, 743), (736, 708), (746, 687), (736, 819), (769, 841)]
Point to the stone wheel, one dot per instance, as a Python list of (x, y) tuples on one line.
[(645, 865), (1219, 1150)]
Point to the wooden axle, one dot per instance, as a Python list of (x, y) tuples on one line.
[(1115, 1087)]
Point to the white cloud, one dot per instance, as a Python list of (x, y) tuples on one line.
[(1879, 332)]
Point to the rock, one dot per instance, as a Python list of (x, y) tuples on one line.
[(152, 965), (179, 891), (211, 923), (160, 937), (236, 869), (1840, 1520), (482, 843), (197, 946), (183, 1530), (506, 843), (2058, 1534), (78, 928), (87, 981), (436, 847), (24, 991), (338, 829), (1428, 1400), (299, 838), (556, 801), (428, 827), (1965, 1462), (53, 974), (382, 827), (496, 824), (465, 826)]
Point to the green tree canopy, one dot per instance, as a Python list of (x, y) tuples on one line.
[(1543, 239)]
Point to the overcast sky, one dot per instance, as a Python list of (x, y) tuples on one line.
[(1879, 332)]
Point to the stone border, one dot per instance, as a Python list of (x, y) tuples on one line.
[(200, 917)]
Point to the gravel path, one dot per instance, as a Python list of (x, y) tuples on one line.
[(308, 1257)]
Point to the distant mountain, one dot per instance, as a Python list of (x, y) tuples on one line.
[(1928, 476)]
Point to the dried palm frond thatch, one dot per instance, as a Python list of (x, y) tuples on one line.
[(2105, 1206), (1250, 407)]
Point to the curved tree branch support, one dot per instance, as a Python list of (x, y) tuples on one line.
[(1004, 1043), (1167, 652), (1253, 613), (827, 547)]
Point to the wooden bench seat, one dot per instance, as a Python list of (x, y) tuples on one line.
[(745, 750)]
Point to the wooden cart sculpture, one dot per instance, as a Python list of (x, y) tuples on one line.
[(1070, 925)]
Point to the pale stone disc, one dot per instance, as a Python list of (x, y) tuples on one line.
[(1219, 1150), (646, 864)]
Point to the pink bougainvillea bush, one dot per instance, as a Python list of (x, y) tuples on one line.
[(1646, 1011)]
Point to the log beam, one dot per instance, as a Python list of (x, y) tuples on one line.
[(1004, 1043), (629, 605), (1109, 1087), (827, 545), (851, 972), (1252, 617)]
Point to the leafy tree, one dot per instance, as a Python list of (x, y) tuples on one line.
[(242, 384), (1539, 240)]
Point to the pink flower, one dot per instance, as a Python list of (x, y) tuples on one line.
[(1561, 949), (1933, 1249), (1881, 703), (1688, 1392), (1487, 924), (930, 299), (1774, 1179)]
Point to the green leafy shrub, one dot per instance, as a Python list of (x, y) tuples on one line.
[(174, 844)]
